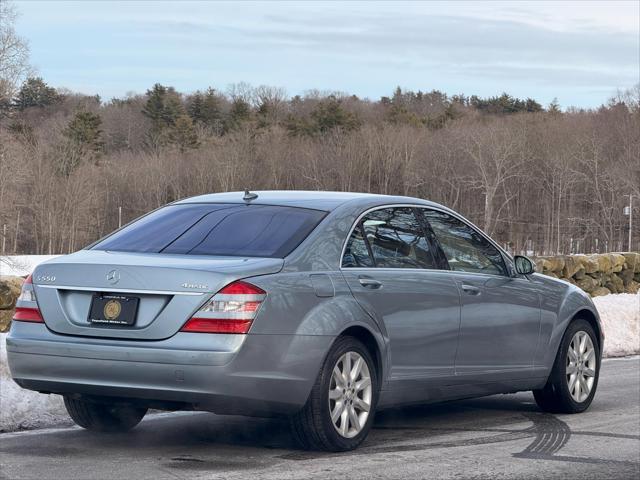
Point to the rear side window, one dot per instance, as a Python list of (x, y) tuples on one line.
[(357, 253), (395, 238), (217, 229)]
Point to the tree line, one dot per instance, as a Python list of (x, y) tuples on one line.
[(538, 179)]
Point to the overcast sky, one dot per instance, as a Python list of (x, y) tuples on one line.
[(580, 52)]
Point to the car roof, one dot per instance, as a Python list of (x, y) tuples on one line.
[(319, 200)]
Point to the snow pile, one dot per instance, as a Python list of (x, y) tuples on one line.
[(25, 409), (21, 265), (620, 316)]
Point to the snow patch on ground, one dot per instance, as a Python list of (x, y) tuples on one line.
[(22, 409), (620, 316), (19, 408), (21, 265)]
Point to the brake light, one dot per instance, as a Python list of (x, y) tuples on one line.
[(241, 288), (23, 314), (231, 310), (214, 325), (27, 309)]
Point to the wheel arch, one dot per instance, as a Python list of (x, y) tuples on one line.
[(369, 340), (584, 312), (593, 320)]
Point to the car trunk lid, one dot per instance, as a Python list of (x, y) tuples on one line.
[(170, 288)]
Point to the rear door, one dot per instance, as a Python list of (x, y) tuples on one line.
[(390, 268), (500, 319)]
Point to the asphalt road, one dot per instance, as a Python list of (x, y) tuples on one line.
[(503, 436)]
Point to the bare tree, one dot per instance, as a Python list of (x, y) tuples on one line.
[(548, 181), (494, 152), (14, 54)]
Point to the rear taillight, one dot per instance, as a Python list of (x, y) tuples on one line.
[(27, 306), (231, 310), (27, 315)]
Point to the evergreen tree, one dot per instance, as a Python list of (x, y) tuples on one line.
[(34, 92), (83, 140), (163, 108), (194, 108), (330, 114), (183, 133), (173, 107), (532, 106), (206, 109), (399, 115), (554, 107), (84, 131), (211, 107), (440, 120), (299, 126), (154, 108), (327, 115), (240, 112), (504, 104)]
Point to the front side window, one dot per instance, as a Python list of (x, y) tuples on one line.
[(395, 238), (465, 248), (217, 229)]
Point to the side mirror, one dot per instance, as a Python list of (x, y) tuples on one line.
[(523, 265)]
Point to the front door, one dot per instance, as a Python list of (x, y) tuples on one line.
[(500, 319)]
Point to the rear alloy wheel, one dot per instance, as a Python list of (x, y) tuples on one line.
[(103, 417), (574, 377), (339, 413), (350, 394)]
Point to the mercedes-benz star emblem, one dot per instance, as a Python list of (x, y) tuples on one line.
[(113, 277)]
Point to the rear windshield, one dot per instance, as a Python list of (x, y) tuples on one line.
[(217, 229)]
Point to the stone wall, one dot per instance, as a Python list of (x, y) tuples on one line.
[(597, 274), (9, 293)]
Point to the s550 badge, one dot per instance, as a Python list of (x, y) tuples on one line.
[(45, 278)]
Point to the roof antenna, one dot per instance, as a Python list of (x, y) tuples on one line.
[(248, 196)]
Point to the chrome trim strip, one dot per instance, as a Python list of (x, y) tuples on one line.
[(121, 290), (415, 269)]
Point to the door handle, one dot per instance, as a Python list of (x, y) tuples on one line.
[(470, 289), (369, 283)]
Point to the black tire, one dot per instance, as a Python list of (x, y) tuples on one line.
[(312, 426), (103, 417), (555, 396)]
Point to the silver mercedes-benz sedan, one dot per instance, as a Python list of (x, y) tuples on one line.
[(323, 307)]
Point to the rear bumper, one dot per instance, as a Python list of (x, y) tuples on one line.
[(228, 374)]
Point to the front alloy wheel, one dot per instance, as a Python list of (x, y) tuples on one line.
[(573, 380), (340, 409), (581, 366)]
